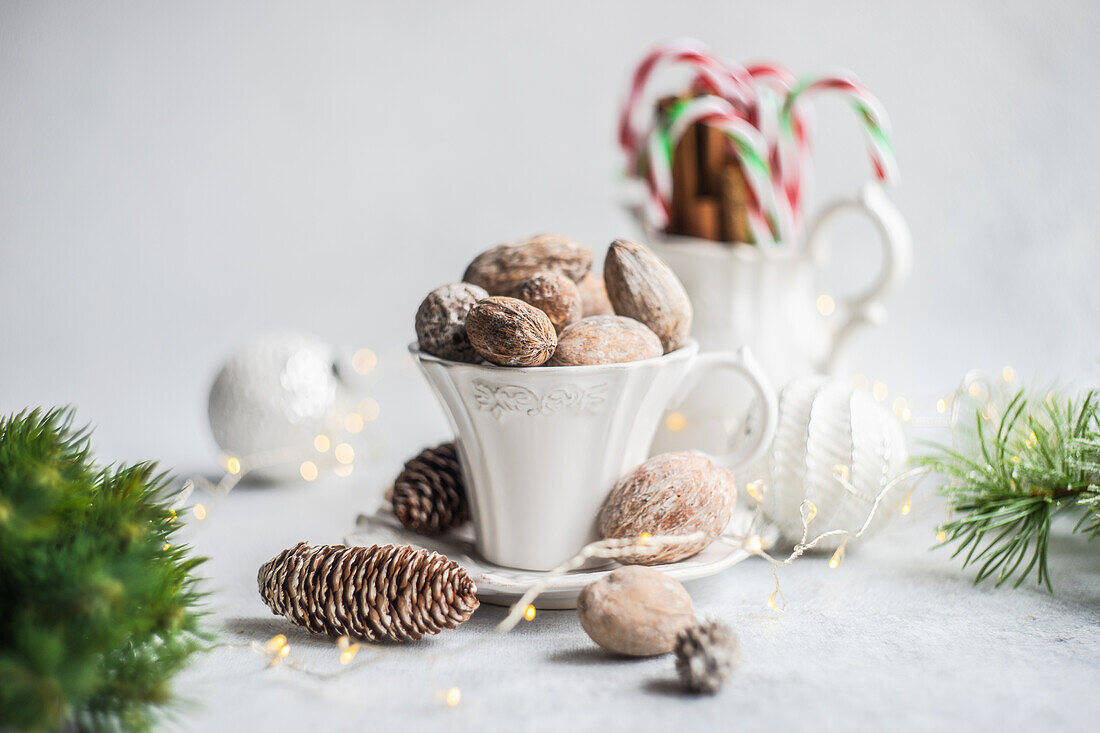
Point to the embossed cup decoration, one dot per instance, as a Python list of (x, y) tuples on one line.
[(541, 447)]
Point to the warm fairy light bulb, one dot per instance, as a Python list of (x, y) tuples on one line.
[(1008, 374), (369, 409), (644, 538), (941, 537), (344, 453), (308, 469), (838, 556), (755, 543), (841, 471), (347, 648), (900, 406), (353, 423), (452, 697), (908, 505), (776, 602), (529, 613), (906, 415), (941, 405), (675, 422), (283, 651), (275, 643), (974, 390), (755, 489), (343, 471), (233, 465), (1032, 440), (166, 546), (322, 443), (199, 511), (825, 304), (880, 391), (364, 360), (808, 510)]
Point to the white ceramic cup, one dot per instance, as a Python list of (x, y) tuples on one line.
[(541, 447), (768, 300)]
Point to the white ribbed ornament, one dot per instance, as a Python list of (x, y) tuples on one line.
[(273, 396), (825, 425)]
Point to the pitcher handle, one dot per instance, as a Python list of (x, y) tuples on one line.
[(865, 308), (744, 364)]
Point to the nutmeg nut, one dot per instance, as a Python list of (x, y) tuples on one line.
[(641, 286), (671, 494), (500, 269), (441, 321), (605, 340), (594, 300), (509, 332), (635, 611), (554, 294)]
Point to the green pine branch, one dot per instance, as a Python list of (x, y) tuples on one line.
[(1004, 488), (98, 603)]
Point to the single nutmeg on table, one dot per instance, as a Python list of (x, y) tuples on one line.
[(635, 611), (671, 494), (500, 269), (441, 321), (554, 294), (605, 340), (641, 286), (508, 332)]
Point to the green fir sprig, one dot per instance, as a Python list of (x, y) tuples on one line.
[(1007, 483), (98, 604)]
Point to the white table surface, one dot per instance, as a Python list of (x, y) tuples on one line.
[(177, 177)]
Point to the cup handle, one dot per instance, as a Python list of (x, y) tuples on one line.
[(897, 243), (744, 364)]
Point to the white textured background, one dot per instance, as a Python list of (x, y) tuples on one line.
[(175, 176)]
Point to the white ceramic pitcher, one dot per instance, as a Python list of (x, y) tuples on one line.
[(744, 295), (541, 447)]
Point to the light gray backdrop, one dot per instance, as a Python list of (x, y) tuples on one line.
[(176, 176)]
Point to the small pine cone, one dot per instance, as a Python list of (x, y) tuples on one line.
[(706, 654), (373, 593), (429, 496)]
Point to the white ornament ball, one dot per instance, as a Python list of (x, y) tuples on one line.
[(825, 427), (273, 396)]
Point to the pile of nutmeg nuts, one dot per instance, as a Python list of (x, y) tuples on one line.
[(536, 302)]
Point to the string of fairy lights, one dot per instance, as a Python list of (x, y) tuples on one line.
[(277, 650)]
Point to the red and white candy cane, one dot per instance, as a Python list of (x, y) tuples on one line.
[(768, 216), (876, 125), (715, 76), (793, 177)]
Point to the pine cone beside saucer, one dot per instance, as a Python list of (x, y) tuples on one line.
[(382, 592), (429, 496)]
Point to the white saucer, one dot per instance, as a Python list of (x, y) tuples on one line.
[(502, 586)]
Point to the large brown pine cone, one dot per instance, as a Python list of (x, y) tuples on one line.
[(429, 496), (374, 593)]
